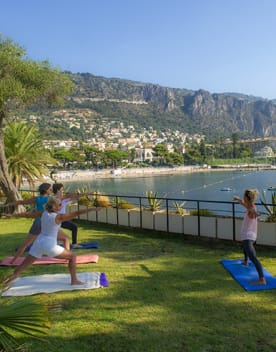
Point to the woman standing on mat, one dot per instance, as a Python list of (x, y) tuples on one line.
[(249, 231), (46, 242), (39, 202)]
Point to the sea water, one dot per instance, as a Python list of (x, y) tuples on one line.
[(207, 187)]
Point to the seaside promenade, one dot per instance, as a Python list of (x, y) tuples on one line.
[(78, 175), (82, 175)]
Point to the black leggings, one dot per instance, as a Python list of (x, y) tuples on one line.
[(69, 225), (249, 250)]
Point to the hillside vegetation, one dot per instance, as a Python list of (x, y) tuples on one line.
[(150, 105)]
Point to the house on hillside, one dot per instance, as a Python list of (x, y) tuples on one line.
[(144, 154), (265, 152)]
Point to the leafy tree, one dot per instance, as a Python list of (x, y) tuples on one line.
[(23, 83), (115, 157), (245, 151), (93, 156), (235, 144), (192, 154), (175, 159), (26, 154), (223, 150), (220, 148), (161, 152), (77, 155), (132, 155), (64, 156), (202, 149)]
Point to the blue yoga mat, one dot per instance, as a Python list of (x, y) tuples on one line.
[(87, 245), (244, 275)]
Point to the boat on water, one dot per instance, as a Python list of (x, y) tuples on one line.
[(272, 188), (116, 172), (226, 189)]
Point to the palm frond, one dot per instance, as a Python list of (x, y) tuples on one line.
[(10, 344), (153, 200), (179, 207), (26, 154), (28, 316), (270, 209)]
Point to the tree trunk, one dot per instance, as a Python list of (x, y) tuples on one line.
[(6, 183)]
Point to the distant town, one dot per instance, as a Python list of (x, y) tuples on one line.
[(113, 135)]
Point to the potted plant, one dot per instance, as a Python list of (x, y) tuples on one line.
[(267, 228), (179, 208), (204, 218), (123, 208), (151, 220), (270, 209), (153, 201)]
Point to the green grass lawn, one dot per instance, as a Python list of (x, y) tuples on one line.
[(167, 293)]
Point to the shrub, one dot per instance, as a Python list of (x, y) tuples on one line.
[(85, 200), (26, 195), (179, 208), (270, 209), (101, 200), (123, 204), (202, 212), (154, 202)]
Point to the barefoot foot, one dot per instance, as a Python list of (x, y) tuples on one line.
[(76, 246), (8, 282), (261, 281), (77, 282)]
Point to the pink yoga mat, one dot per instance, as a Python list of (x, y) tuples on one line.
[(81, 259)]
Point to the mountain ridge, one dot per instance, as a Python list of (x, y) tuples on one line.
[(151, 105)]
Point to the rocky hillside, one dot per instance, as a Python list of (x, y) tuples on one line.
[(199, 111)]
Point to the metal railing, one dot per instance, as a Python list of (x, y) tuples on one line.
[(200, 209)]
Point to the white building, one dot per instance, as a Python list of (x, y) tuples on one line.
[(144, 154), (265, 152)]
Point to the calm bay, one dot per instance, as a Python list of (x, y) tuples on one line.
[(207, 185)]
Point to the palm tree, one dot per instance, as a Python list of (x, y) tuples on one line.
[(28, 316), (26, 155)]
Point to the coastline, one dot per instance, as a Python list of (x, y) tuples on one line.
[(85, 175)]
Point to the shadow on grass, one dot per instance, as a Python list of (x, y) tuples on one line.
[(167, 293)]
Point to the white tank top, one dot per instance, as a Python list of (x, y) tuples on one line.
[(48, 224)]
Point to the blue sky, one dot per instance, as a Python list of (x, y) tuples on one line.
[(216, 45)]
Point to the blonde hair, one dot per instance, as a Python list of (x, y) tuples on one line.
[(52, 201), (251, 194)]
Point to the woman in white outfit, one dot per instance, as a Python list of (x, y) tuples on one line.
[(46, 242)]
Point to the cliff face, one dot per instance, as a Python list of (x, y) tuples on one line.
[(225, 112), (200, 111)]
